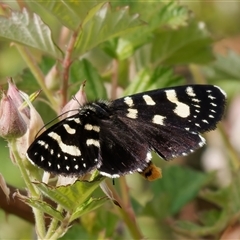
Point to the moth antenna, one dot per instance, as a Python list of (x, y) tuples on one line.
[(54, 119)]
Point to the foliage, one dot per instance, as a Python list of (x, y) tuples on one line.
[(118, 48)]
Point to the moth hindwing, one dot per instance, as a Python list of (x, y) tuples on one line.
[(117, 137)]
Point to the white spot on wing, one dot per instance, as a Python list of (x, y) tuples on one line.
[(197, 106), (69, 129), (171, 95), (190, 92), (76, 167), (211, 97), (158, 119), (213, 104), (91, 127), (70, 149), (203, 141), (109, 175), (70, 119), (129, 101), (196, 100), (148, 157), (181, 109), (148, 100), (40, 142), (132, 113), (77, 120), (93, 142)]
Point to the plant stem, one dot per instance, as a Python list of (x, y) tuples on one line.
[(62, 228), (197, 75), (53, 225), (114, 79), (36, 71), (234, 158), (34, 193), (66, 67), (126, 210)]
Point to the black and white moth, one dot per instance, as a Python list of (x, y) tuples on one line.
[(117, 137)]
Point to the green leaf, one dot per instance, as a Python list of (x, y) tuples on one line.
[(88, 206), (228, 197), (156, 16), (83, 70), (225, 72), (147, 79), (28, 30), (191, 44), (174, 15), (41, 205), (70, 13), (118, 48), (78, 232), (194, 230), (209, 217), (177, 188), (228, 201), (102, 25), (219, 198), (45, 207), (25, 81), (224, 68), (71, 196)]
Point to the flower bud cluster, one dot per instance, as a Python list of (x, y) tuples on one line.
[(12, 120), (18, 118)]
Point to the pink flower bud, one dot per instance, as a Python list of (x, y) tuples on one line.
[(15, 95), (12, 124), (35, 126), (78, 100)]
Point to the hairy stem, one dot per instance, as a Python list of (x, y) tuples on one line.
[(34, 193), (53, 225), (126, 210)]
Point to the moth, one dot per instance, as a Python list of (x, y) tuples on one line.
[(117, 137)]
